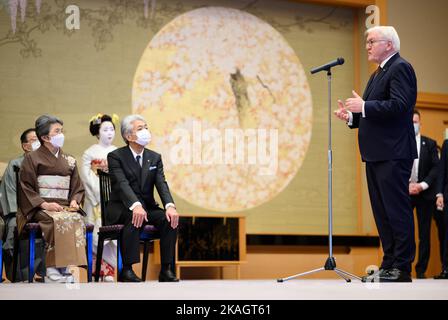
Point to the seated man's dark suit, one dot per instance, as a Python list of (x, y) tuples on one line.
[(132, 183)]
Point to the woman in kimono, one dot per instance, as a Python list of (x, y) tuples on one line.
[(94, 158), (50, 193)]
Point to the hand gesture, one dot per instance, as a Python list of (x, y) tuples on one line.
[(355, 103), (342, 112)]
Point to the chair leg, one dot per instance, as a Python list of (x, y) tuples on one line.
[(119, 258), (89, 237), (173, 265), (99, 257), (32, 243), (44, 261), (1, 261), (145, 258), (15, 256)]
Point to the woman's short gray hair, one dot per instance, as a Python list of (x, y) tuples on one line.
[(388, 33), (127, 126), (43, 125)]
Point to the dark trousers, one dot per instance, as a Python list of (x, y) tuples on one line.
[(130, 246), (23, 260), (22, 265), (388, 183), (425, 209), (441, 218)]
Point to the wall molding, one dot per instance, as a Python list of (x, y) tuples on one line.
[(428, 100), (344, 3)]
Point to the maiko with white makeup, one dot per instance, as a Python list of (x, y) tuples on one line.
[(103, 127)]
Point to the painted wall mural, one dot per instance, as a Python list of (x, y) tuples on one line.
[(217, 69), (224, 84), (42, 16)]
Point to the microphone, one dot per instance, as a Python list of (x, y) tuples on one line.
[(327, 66)]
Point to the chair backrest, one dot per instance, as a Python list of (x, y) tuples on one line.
[(16, 172), (2, 232), (105, 187)]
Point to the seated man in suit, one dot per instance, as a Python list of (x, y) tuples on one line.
[(8, 201), (134, 171), (422, 188)]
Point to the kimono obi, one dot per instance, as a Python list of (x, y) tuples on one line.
[(56, 187)]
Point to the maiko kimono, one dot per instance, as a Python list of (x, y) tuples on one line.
[(92, 205), (47, 177)]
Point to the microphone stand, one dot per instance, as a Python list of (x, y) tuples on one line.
[(330, 264)]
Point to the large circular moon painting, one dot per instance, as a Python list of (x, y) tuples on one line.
[(228, 105)]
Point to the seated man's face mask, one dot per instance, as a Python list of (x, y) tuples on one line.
[(35, 145), (143, 137)]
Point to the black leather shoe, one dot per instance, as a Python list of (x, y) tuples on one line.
[(442, 275), (396, 275), (128, 276), (167, 276), (374, 277), (421, 275)]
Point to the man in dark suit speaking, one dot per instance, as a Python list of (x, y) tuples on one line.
[(387, 144), (134, 171)]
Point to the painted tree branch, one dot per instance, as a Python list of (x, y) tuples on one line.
[(105, 19)]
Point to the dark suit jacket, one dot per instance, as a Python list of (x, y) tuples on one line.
[(129, 186), (387, 131), (442, 181), (428, 167)]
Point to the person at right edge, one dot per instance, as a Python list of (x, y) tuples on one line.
[(442, 207), (422, 188), (387, 145)]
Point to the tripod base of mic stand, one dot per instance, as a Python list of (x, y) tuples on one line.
[(330, 264)]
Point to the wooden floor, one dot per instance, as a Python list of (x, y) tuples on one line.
[(327, 289)]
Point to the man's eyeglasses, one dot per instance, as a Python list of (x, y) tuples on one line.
[(371, 42)]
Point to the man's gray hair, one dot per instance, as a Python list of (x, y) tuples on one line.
[(388, 33), (127, 126), (43, 125)]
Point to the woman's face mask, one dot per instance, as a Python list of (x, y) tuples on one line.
[(58, 140), (56, 136), (106, 133)]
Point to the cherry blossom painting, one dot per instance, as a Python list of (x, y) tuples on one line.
[(214, 69)]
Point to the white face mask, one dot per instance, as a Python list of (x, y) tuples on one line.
[(107, 133), (417, 128), (143, 137), (57, 140), (35, 145)]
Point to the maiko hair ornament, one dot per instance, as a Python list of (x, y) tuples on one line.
[(97, 120)]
